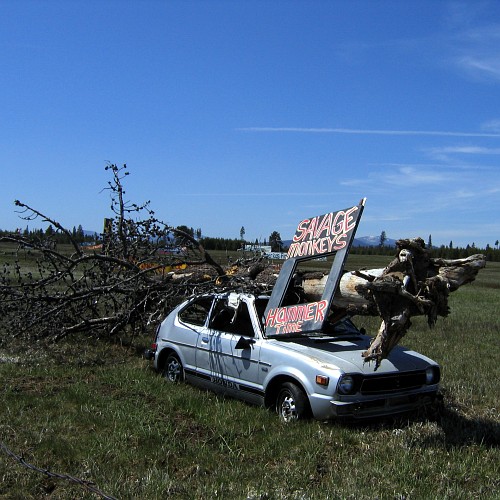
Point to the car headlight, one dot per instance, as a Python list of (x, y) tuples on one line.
[(432, 375), (346, 384)]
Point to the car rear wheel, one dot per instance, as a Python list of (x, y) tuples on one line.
[(173, 370), (292, 403)]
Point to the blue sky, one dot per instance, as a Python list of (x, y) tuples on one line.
[(255, 113)]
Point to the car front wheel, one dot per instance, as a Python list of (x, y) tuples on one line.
[(292, 403), (173, 370)]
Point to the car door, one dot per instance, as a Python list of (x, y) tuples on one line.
[(191, 325), (229, 350)]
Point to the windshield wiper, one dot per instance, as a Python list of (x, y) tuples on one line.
[(337, 338)]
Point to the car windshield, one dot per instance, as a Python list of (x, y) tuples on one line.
[(342, 326)]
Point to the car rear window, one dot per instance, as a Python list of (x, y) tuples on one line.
[(196, 312)]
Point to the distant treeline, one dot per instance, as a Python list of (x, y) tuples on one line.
[(232, 245), (443, 252), (77, 234)]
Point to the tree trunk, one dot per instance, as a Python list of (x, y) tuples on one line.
[(412, 284)]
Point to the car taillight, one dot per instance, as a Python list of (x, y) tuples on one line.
[(154, 345)]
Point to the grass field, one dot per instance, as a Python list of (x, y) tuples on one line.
[(100, 414)]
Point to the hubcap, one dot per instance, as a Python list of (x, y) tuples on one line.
[(288, 411), (173, 371)]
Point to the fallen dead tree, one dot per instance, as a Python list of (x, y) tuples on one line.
[(413, 284)]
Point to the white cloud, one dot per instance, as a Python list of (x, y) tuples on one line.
[(316, 130), (469, 150), (492, 126), (442, 166), (408, 176), (481, 66), (403, 176), (462, 194), (354, 182), (476, 45)]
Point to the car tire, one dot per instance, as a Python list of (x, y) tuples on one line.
[(292, 403), (173, 371)]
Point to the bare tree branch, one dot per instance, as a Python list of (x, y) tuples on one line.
[(120, 287)]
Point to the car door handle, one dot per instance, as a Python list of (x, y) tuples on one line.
[(204, 340)]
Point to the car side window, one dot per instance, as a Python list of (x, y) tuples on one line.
[(196, 312), (237, 321), (260, 308)]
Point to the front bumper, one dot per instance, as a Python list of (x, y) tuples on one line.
[(382, 406)]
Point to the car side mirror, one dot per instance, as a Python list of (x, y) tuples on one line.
[(244, 343)]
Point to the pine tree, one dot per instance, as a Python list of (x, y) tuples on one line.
[(383, 238), (276, 242)]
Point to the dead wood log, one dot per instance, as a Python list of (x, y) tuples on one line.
[(412, 284)]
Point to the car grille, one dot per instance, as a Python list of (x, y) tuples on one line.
[(379, 384)]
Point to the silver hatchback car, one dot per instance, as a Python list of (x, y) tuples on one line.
[(218, 342)]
